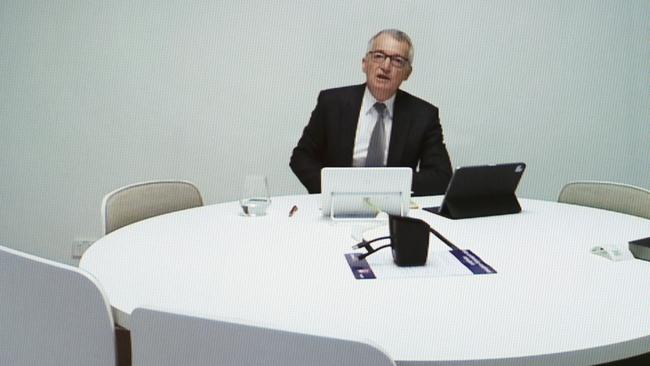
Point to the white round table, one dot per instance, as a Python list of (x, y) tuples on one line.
[(550, 302)]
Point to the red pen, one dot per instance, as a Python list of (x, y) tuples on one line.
[(293, 210)]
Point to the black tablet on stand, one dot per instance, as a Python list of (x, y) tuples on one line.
[(482, 190)]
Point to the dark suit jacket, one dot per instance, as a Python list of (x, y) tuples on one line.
[(416, 137)]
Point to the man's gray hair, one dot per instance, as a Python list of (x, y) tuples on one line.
[(397, 35)]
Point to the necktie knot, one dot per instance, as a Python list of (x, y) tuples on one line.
[(381, 108)]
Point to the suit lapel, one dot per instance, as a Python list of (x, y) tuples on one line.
[(348, 123), (399, 132)]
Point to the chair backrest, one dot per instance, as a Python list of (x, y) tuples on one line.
[(617, 197), (140, 201), (161, 338), (52, 314)]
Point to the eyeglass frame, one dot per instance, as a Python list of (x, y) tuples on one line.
[(393, 59)]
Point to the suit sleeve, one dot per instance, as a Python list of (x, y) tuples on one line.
[(435, 170), (308, 158)]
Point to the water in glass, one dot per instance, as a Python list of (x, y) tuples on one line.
[(255, 206)]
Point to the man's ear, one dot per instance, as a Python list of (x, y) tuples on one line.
[(364, 65), (408, 73)]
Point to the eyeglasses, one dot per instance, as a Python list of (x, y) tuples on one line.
[(397, 61)]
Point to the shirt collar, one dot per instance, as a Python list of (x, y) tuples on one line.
[(369, 102)]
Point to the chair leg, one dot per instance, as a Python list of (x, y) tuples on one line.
[(642, 359), (123, 345)]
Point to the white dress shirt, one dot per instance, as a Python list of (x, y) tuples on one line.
[(367, 119)]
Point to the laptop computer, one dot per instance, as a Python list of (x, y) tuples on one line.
[(482, 190), (361, 193)]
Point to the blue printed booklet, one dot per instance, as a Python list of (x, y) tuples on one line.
[(439, 264)]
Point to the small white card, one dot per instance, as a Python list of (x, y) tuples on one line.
[(614, 253)]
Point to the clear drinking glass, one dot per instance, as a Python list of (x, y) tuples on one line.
[(254, 198)]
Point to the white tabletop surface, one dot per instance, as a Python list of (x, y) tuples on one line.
[(550, 302)]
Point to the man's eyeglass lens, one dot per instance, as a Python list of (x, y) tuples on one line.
[(379, 57)]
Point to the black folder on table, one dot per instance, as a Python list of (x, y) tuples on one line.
[(482, 190)]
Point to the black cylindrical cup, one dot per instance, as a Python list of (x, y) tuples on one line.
[(409, 240)]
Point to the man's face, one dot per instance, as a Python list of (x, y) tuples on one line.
[(384, 77)]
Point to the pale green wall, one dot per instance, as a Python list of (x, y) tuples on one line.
[(95, 95)]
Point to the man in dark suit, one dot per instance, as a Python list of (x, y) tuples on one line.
[(376, 124)]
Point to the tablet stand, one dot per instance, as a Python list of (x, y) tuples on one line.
[(463, 208), (350, 206)]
